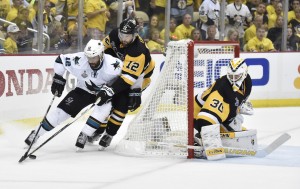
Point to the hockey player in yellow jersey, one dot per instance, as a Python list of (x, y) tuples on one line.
[(125, 92), (220, 106)]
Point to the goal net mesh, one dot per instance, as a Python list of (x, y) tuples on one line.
[(163, 126)]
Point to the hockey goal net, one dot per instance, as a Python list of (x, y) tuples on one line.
[(164, 125)]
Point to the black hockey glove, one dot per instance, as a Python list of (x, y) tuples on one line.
[(58, 85), (105, 94), (135, 99)]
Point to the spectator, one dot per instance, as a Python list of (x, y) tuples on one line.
[(291, 44), (272, 6), (196, 35), (209, 15), (49, 11), (23, 17), (34, 20), (60, 6), (72, 14), (252, 5), (13, 12), (25, 39), (232, 35), (211, 33), (276, 32), (261, 11), (251, 31), (4, 8), (260, 43), (153, 24), (174, 33), (273, 17), (141, 29), (72, 41), (157, 7), (142, 6), (128, 11), (181, 7), (239, 17), (291, 13), (186, 28), (155, 44), (10, 43), (128, 7), (97, 15), (58, 38), (197, 4), (295, 21)]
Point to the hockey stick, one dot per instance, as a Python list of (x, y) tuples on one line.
[(231, 151), (59, 131), (26, 153)]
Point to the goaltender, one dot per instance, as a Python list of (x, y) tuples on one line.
[(219, 108)]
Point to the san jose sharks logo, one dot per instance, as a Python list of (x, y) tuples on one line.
[(116, 64), (93, 87), (76, 60)]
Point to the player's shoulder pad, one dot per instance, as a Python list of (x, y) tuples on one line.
[(112, 63), (58, 60), (248, 80), (137, 48), (111, 37), (222, 84)]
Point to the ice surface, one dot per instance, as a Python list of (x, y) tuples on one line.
[(59, 166)]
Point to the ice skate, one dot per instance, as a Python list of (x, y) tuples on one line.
[(81, 140), (30, 138), (94, 138), (105, 141)]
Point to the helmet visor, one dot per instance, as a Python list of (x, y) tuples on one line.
[(235, 77)]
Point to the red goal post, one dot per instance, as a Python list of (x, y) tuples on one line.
[(165, 122)]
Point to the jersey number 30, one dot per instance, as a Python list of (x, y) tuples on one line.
[(217, 104)]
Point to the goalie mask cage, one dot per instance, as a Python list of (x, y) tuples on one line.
[(164, 125)]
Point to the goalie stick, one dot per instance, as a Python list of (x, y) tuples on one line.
[(31, 156), (231, 151)]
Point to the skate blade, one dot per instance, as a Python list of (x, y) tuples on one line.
[(79, 149), (101, 148), (92, 143)]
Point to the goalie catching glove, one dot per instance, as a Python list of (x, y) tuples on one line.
[(134, 99), (58, 85), (105, 94), (246, 108)]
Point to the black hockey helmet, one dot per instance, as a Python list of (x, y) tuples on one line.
[(128, 26)]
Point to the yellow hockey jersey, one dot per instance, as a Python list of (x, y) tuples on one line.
[(219, 103)]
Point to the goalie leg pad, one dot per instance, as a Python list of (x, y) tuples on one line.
[(244, 139), (212, 142)]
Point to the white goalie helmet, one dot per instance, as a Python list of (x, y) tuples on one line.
[(94, 48), (237, 71)]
